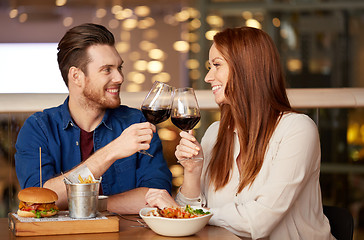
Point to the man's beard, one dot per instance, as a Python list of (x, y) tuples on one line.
[(94, 99)]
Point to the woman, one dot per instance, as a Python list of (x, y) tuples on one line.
[(261, 167)]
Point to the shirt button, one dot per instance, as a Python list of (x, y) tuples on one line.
[(236, 194), (71, 124), (199, 200), (76, 143), (203, 205)]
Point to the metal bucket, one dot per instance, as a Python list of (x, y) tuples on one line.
[(82, 199)]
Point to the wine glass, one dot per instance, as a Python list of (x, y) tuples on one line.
[(185, 111), (156, 106)]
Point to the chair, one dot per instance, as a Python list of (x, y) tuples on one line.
[(341, 222)]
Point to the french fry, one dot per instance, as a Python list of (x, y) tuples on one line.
[(86, 180)]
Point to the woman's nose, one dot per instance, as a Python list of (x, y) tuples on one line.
[(208, 76)]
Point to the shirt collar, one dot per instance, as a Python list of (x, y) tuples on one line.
[(68, 121)]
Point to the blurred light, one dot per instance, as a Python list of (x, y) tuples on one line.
[(116, 9), (60, 3), (13, 13), (162, 77), (195, 48), (23, 17), (140, 65), (181, 46), (294, 65), (194, 13), (122, 47), (177, 181), (247, 15), (353, 133), (167, 135), (130, 23), (176, 170), (132, 87), (150, 34), (215, 21), (136, 77), (253, 23), (276, 22), (192, 64), (142, 11), (155, 66), (147, 46), (113, 23), (195, 24), (134, 56), (67, 21), (210, 34), (182, 16), (284, 33), (146, 23), (156, 54), (195, 74), (126, 13), (101, 12)]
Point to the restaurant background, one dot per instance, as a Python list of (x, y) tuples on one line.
[(321, 43)]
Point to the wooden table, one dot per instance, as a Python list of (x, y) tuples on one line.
[(129, 229)]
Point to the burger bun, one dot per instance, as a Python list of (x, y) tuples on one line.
[(37, 195)]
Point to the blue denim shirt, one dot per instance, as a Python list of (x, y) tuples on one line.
[(55, 132)]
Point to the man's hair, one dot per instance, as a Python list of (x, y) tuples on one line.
[(72, 49)]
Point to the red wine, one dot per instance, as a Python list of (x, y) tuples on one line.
[(156, 116), (185, 123)]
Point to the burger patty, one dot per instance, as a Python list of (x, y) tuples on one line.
[(24, 206)]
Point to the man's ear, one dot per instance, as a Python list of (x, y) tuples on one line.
[(75, 75)]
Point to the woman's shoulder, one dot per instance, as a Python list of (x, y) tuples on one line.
[(297, 119), (293, 123)]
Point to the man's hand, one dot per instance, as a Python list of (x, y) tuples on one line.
[(135, 138), (159, 198)]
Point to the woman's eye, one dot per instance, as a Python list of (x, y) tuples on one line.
[(216, 64)]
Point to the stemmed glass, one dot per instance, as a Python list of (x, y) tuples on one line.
[(185, 111), (156, 106)]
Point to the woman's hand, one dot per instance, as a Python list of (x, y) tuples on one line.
[(159, 198), (189, 153)]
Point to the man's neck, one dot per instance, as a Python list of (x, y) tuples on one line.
[(85, 116)]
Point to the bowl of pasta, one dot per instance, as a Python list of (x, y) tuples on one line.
[(175, 221)]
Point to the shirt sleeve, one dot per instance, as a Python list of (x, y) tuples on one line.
[(153, 172), (295, 160), (27, 157)]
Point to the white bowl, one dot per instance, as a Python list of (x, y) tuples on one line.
[(174, 227)]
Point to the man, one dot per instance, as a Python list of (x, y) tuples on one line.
[(91, 128)]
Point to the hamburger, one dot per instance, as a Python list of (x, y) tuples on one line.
[(37, 202)]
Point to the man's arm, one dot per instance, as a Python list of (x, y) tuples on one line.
[(129, 202), (137, 137)]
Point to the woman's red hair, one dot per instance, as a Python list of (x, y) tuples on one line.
[(256, 96)]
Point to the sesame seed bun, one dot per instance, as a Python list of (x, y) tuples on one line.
[(37, 195)]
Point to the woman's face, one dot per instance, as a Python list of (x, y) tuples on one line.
[(218, 74)]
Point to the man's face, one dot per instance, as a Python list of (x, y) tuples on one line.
[(103, 77)]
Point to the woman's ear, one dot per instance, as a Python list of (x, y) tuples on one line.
[(75, 76)]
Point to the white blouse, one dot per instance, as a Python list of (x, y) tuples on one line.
[(284, 201)]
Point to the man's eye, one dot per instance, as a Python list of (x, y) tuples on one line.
[(107, 70), (120, 68)]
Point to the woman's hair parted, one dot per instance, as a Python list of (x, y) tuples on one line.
[(256, 98), (72, 49)]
